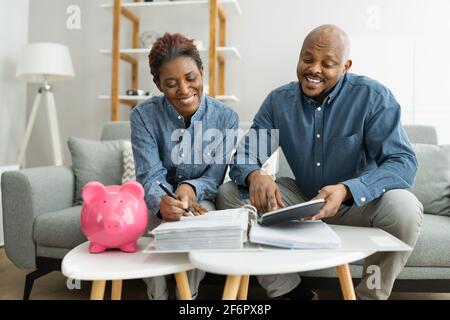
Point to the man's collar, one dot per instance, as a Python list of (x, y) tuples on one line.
[(335, 90)]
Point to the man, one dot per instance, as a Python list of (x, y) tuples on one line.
[(342, 137)]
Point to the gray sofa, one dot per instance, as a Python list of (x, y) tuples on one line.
[(42, 225)]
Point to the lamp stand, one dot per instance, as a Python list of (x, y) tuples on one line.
[(46, 90)]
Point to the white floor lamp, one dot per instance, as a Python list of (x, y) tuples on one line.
[(44, 63)]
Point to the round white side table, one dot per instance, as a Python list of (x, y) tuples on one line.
[(238, 265), (117, 266)]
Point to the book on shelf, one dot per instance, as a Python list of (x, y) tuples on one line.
[(237, 228)]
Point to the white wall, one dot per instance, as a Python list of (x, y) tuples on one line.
[(401, 43), (13, 16), (79, 111)]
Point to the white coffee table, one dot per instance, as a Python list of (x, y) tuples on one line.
[(357, 243), (117, 266)]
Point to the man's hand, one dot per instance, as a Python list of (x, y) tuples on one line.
[(264, 192), (334, 196), (187, 194)]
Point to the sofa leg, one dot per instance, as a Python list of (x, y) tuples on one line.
[(44, 266), (29, 281)]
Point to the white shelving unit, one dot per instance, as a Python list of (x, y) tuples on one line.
[(229, 53), (231, 7), (223, 98), (216, 55)]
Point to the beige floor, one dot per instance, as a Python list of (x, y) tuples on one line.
[(53, 286)]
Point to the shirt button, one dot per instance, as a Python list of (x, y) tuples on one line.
[(318, 136), (363, 199), (318, 164), (319, 109), (384, 190), (179, 117)]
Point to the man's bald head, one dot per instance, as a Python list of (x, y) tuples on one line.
[(329, 35), (323, 60)]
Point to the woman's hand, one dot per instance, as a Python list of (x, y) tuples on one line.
[(171, 209), (187, 194)]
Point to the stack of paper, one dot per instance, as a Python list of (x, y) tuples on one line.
[(295, 235), (222, 229)]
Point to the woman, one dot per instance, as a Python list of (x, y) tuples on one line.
[(171, 141)]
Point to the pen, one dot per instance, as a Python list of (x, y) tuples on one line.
[(173, 195)]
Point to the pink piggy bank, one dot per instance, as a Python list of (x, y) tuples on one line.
[(113, 216)]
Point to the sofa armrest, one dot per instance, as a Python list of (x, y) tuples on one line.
[(26, 194)]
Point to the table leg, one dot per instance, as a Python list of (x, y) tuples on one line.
[(116, 290), (98, 289), (243, 288), (183, 286), (231, 289), (345, 279)]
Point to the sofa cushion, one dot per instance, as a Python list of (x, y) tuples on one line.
[(60, 229), (432, 247), (116, 130), (129, 171), (284, 170), (95, 161), (432, 185), (421, 134)]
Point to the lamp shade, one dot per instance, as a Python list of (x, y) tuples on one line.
[(41, 62)]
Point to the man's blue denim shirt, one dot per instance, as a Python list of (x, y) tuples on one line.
[(354, 137), (165, 150)]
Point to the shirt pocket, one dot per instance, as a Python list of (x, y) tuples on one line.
[(344, 156)]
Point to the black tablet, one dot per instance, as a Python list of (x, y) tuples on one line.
[(295, 212)]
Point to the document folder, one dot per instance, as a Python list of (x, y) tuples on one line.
[(230, 229)]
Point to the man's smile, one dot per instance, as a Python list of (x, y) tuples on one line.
[(312, 81)]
